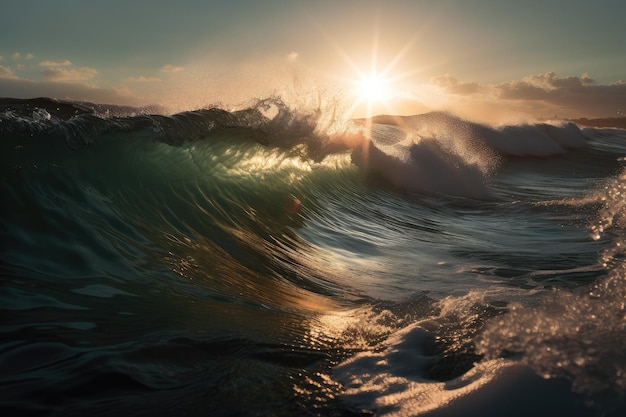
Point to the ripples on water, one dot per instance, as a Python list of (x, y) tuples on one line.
[(159, 279)]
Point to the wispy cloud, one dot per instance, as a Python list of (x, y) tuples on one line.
[(142, 79), (170, 69), (7, 73), (17, 56), (55, 63), (69, 74), (292, 56), (454, 86)]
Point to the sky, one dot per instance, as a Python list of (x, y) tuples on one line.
[(481, 59)]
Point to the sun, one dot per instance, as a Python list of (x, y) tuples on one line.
[(373, 88), (372, 91), (375, 85)]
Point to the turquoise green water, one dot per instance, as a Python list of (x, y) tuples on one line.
[(228, 275)]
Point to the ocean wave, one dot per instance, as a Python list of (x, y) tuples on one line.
[(434, 153), (350, 266)]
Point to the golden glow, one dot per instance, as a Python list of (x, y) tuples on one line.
[(374, 88)]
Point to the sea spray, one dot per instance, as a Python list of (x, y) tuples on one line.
[(577, 334)]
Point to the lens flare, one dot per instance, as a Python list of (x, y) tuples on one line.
[(373, 88)]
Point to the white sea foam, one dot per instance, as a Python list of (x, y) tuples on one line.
[(437, 153), (579, 334), (422, 165), (565, 349), (392, 382)]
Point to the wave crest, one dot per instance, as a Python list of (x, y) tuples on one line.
[(432, 153)]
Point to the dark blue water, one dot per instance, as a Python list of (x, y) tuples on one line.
[(251, 263)]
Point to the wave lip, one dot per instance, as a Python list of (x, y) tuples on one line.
[(433, 153), (427, 169)]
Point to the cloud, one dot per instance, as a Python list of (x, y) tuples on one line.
[(69, 74), (550, 81), (540, 95), (18, 56), (142, 79), (453, 86), (171, 69), (7, 73), (521, 90), (292, 56), (573, 94), (55, 63), (545, 86)]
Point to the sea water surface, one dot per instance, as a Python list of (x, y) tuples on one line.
[(276, 261)]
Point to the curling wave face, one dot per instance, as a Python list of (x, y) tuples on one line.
[(273, 260), (435, 153)]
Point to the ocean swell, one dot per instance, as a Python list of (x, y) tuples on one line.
[(278, 259), (434, 153)]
